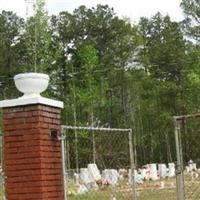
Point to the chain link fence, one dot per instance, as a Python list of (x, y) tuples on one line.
[(100, 164)]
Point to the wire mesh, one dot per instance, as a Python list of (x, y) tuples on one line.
[(115, 180), (109, 175), (118, 178), (190, 139)]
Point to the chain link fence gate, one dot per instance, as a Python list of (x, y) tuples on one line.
[(187, 140), (99, 163)]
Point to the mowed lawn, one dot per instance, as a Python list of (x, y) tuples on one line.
[(1, 192), (148, 191), (144, 195)]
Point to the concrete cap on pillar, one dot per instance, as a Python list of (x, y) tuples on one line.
[(31, 84)]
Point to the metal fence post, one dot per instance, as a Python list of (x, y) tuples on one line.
[(64, 164), (179, 167), (132, 160)]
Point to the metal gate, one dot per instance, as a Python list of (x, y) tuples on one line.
[(179, 164), (108, 149)]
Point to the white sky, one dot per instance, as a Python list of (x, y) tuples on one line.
[(133, 9)]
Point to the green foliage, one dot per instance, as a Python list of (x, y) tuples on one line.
[(105, 68), (191, 9), (163, 54), (11, 27), (10, 31), (37, 40), (86, 61)]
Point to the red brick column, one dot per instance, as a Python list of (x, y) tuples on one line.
[(32, 153)]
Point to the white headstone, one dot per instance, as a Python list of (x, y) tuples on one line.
[(153, 171), (111, 175), (85, 176), (171, 170), (94, 172), (162, 170)]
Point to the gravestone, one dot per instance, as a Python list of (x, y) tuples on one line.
[(85, 176), (94, 172), (153, 172), (171, 172), (111, 175), (162, 170)]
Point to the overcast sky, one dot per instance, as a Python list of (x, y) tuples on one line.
[(133, 9)]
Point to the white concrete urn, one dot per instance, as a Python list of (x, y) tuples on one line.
[(31, 84)]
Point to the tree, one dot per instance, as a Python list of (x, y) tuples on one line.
[(191, 9), (11, 27), (163, 59), (164, 49), (105, 68), (114, 41), (37, 40)]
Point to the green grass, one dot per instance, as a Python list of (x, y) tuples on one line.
[(144, 195), (100, 195), (158, 195), (150, 190), (1, 192)]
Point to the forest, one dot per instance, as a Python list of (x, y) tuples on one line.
[(112, 71)]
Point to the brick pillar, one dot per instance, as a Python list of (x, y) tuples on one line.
[(32, 153)]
